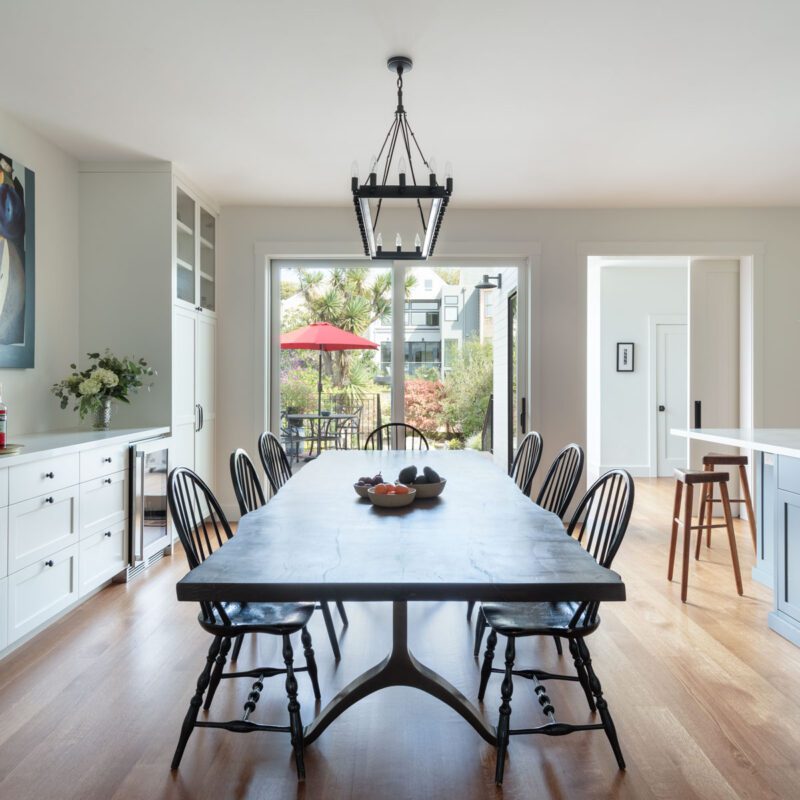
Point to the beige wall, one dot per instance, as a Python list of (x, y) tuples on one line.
[(27, 391), (558, 352)]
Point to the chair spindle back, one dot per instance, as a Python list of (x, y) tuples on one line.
[(561, 480), (526, 461), (274, 460), (396, 436), (246, 484)]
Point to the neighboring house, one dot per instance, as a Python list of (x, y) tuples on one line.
[(439, 317)]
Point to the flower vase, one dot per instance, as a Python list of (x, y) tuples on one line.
[(102, 416)]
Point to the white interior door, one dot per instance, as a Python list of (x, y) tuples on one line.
[(713, 351), (671, 396)]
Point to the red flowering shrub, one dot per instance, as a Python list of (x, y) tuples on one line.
[(424, 404)]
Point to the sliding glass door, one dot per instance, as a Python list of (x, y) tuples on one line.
[(445, 358)]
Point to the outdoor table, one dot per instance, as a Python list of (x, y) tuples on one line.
[(482, 540), (319, 419)]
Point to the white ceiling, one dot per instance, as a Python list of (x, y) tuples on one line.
[(535, 102)]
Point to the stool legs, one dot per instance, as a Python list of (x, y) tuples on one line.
[(748, 504), (676, 509), (726, 507), (687, 539)]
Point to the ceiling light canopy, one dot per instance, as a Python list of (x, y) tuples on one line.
[(429, 197)]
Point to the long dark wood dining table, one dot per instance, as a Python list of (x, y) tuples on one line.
[(482, 539)]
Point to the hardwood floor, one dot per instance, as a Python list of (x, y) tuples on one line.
[(705, 697)]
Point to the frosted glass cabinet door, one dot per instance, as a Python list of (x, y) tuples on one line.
[(185, 248), (207, 260)]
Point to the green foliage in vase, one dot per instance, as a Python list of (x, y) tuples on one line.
[(108, 377)]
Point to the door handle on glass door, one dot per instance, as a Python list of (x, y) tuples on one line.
[(202, 417), (523, 414), (196, 417)]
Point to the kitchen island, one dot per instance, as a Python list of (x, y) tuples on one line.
[(776, 490)]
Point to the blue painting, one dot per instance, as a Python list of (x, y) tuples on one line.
[(17, 263)]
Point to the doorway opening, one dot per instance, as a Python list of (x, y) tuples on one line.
[(669, 346)]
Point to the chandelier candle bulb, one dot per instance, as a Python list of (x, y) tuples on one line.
[(379, 241), (417, 242), (398, 242)]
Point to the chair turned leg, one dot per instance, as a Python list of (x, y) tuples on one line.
[(216, 675), (470, 606), (602, 705), (676, 510), (480, 629), (748, 504), (326, 615), (295, 723), (237, 647), (488, 657), (342, 613), (726, 507), (583, 676), (504, 722), (311, 662), (559, 648), (195, 703), (687, 540)]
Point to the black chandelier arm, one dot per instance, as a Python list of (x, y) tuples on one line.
[(416, 143), (404, 127)]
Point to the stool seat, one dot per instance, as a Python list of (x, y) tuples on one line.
[(724, 460), (691, 476)]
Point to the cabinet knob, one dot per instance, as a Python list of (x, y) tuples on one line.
[(107, 480), (49, 563), (107, 460), (108, 534), (49, 475), (49, 500)]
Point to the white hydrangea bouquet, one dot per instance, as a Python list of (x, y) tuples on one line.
[(108, 378)]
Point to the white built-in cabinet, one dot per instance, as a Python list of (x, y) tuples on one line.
[(149, 286), (63, 533), (194, 336)]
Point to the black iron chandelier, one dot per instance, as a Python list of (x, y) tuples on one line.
[(421, 194)]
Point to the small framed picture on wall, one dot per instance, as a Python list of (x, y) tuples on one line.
[(624, 356)]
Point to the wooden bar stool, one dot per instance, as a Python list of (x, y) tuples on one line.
[(706, 504), (705, 478)]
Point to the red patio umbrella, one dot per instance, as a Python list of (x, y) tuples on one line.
[(324, 337)]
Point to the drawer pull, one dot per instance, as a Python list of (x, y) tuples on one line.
[(108, 534), (107, 460), (49, 500), (49, 475), (49, 563), (107, 480)]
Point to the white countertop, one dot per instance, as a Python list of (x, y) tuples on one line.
[(42, 445), (781, 441)]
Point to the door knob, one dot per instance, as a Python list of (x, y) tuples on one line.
[(662, 408)]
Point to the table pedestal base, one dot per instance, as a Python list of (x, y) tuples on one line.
[(400, 668)]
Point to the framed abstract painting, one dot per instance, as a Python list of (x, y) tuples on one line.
[(17, 263)]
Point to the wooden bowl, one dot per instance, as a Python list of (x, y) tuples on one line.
[(427, 490), (391, 500), (361, 491)]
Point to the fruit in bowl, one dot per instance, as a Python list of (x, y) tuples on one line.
[(428, 483), (391, 495), (363, 484)]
